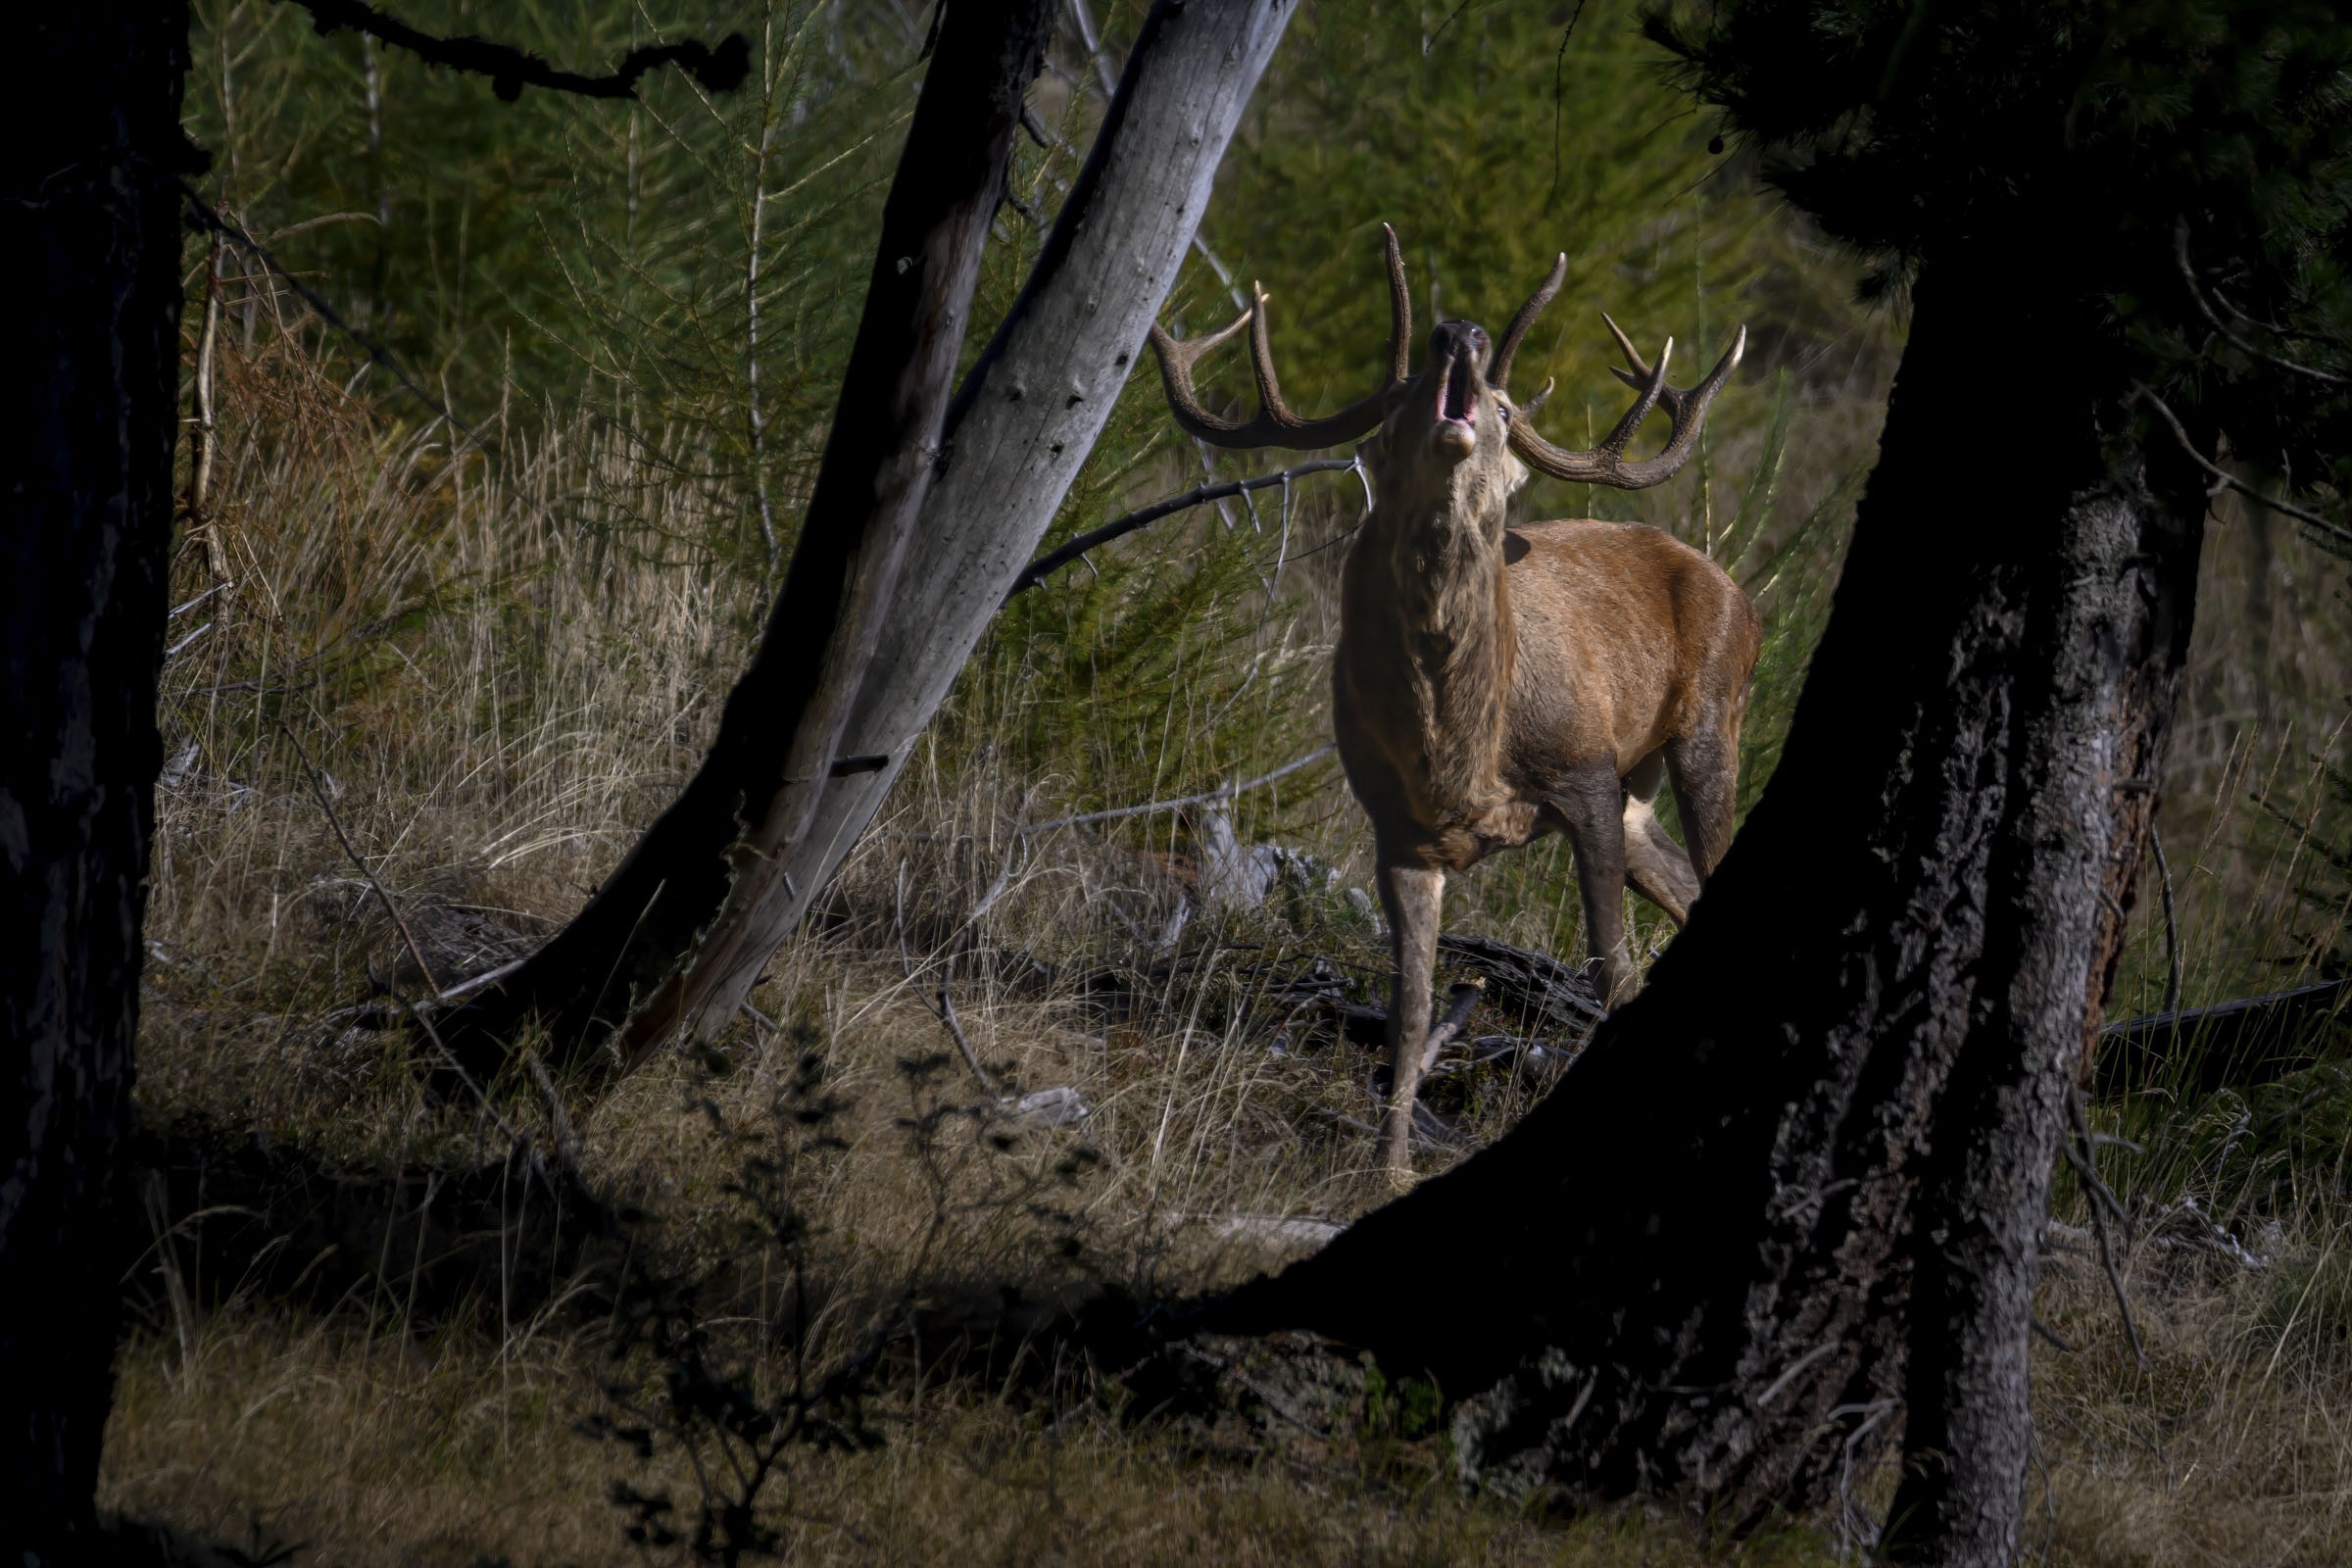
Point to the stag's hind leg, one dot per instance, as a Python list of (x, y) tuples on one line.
[(1706, 763), (1591, 805), (1654, 865), (1414, 897)]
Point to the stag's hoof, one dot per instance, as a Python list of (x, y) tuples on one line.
[(1617, 981)]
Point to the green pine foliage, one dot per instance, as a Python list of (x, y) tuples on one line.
[(557, 252)]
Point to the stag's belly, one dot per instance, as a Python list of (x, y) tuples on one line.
[(1611, 620)]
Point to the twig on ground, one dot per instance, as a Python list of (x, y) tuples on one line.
[(945, 1008), (472, 983), (181, 609), (1224, 793), (448, 1057), (367, 871), (2080, 1155), (1874, 1414), (567, 1151), (946, 1016)]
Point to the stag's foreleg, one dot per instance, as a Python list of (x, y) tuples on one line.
[(1414, 897), (1590, 804)]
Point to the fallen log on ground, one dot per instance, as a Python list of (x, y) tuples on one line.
[(2228, 1045), (1541, 994)]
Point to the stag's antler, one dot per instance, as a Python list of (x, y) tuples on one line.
[(1499, 379), (1605, 464), (1275, 424)]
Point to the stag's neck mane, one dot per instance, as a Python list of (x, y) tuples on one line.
[(1427, 623)]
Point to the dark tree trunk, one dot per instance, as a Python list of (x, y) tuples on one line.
[(1790, 1195), (643, 953), (677, 937), (92, 149)]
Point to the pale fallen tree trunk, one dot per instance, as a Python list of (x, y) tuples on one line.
[(674, 941)]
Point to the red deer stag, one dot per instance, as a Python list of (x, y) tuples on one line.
[(1495, 683)]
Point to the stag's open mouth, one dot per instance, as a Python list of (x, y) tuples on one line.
[(1457, 399), (1454, 434)]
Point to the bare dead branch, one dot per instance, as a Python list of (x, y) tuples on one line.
[(2188, 275), (2172, 926), (2231, 480), (511, 69), (1052, 560), (2239, 1040), (947, 1014), (367, 871), (204, 215), (1465, 999)]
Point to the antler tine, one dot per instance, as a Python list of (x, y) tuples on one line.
[(1401, 314), (1261, 364), (1275, 425), (1605, 464), (1176, 360), (1632, 355), (1674, 397), (1501, 376), (1612, 446)]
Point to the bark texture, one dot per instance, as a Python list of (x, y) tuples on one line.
[(1788, 1197), (671, 920), (1017, 433), (89, 160)]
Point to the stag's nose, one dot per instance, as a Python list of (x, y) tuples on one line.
[(1468, 339)]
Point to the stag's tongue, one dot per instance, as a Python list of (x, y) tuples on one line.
[(1460, 400)]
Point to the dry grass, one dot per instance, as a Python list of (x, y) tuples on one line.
[(2232, 1446), (440, 1456)]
